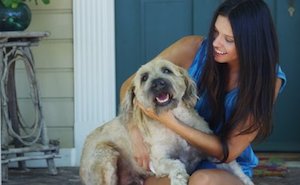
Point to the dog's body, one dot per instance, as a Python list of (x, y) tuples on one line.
[(107, 157)]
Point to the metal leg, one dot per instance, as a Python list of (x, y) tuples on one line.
[(10, 117), (28, 54), (51, 165), (13, 114), (4, 172)]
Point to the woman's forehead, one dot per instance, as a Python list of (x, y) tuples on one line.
[(223, 26)]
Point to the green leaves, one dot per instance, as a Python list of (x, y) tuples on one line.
[(46, 1), (11, 3), (15, 3)]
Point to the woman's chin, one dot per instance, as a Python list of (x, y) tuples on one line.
[(220, 60)]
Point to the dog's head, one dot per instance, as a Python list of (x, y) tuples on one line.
[(160, 85)]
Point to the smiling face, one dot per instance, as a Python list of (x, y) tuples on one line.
[(224, 45), (160, 85)]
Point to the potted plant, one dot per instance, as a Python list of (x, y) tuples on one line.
[(15, 15)]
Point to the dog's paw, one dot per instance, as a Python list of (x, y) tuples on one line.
[(180, 179)]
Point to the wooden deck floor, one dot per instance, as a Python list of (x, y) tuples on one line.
[(69, 176)]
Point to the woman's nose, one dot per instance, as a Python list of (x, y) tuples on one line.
[(217, 41)]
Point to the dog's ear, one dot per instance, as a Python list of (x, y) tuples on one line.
[(126, 107), (131, 112), (190, 94)]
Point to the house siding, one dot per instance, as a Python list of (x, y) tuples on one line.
[(54, 69)]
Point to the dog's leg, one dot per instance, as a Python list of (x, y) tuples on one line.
[(103, 167), (236, 169), (111, 167), (172, 168)]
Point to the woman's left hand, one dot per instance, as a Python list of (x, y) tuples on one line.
[(163, 117)]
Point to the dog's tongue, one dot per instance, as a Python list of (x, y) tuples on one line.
[(162, 98)]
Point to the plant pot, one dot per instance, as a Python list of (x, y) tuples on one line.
[(14, 19)]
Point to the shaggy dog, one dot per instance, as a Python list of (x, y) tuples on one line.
[(107, 157)]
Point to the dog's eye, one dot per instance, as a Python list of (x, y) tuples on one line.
[(166, 70), (144, 77)]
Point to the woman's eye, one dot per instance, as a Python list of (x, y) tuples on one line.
[(230, 40), (166, 70)]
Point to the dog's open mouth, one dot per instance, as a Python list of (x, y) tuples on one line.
[(163, 98)]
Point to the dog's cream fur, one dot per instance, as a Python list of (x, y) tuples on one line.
[(107, 157)]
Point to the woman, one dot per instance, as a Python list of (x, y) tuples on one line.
[(238, 77)]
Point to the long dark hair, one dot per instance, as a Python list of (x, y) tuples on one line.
[(257, 48)]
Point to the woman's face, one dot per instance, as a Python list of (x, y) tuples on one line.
[(224, 46)]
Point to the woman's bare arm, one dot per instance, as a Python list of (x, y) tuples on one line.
[(181, 53), (209, 143)]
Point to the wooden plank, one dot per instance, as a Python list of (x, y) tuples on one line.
[(54, 54), (53, 5), (58, 112), (23, 34), (52, 83), (47, 21), (16, 159), (38, 148), (289, 156), (64, 135)]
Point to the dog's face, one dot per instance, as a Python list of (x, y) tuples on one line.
[(161, 85)]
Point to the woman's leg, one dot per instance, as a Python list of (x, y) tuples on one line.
[(201, 177), (213, 177), (157, 181)]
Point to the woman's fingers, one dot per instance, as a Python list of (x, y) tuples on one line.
[(140, 148), (148, 111), (163, 117), (143, 162), (146, 163)]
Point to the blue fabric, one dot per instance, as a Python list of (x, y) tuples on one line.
[(247, 159)]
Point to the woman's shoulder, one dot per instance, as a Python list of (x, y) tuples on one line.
[(183, 51)]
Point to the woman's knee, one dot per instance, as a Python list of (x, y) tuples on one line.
[(213, 177), (200, 177)]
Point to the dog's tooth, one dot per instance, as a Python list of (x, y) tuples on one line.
[(159, 100)]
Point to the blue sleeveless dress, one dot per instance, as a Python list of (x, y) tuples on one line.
[(247, 159)]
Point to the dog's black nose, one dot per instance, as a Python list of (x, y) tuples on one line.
[(158, 84)]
